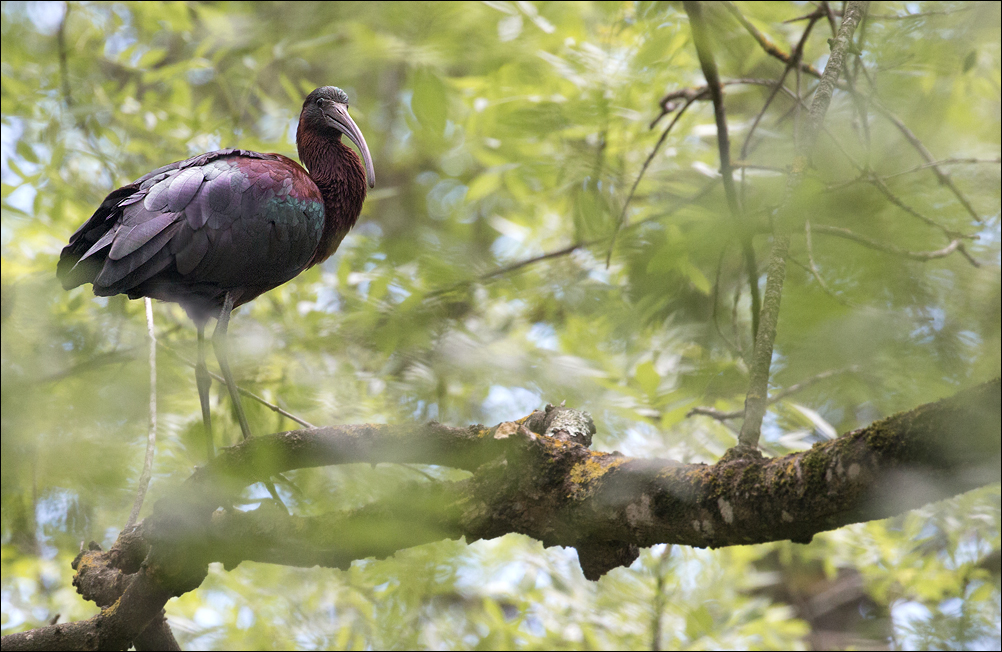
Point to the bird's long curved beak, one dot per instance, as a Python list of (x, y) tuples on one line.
[(338, 114)]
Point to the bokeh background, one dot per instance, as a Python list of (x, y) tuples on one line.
[(506, 137)]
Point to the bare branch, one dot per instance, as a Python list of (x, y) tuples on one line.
[(923, 256), (798, 52), (775, 398), (813, 266), (767, 44), (619, 501), (709, 67), (244, 392), (643, 169), (115, 628), (758, 385), (560, 503), (946, 161), (564, 251), (943, 177), (537, 477)]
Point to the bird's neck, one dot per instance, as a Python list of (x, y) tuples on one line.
[(340, 177)]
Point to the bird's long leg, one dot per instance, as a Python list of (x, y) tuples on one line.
[(204, 382), (219, 345)]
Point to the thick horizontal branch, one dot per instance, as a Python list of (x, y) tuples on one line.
[(115, 628), (604, 504), (537, 477)]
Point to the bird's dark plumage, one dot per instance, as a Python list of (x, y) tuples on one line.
[(231, 221), (214, 231)]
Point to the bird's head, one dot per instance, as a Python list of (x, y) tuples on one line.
[(325, 112)]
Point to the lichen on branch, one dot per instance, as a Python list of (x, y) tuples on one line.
[(535, 476)]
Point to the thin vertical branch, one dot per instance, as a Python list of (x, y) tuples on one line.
[(705, 54), (151, 437), (857, 99), (758, 386), (64, 68), (813, 267), (716, 301), (660, 597), (734, 323)]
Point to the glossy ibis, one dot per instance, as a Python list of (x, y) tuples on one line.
[(214, 231)]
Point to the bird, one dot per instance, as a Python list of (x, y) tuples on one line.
[(214, 231)]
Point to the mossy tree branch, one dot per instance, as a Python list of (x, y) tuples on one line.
[(537, 477)]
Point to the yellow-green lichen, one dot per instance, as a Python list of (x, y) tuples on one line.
[(584, 474)]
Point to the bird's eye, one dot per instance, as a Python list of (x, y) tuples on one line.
[(320, 101)]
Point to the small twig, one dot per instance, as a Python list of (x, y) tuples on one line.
[(816, 14), (151, 437), (923, 256), (720, 415), (716, 300), (798, 52), (917, 144), (657, 146), (943, 177), (662, 596), (830, 15), (945, 12), (879, 184), (507, 269), (734, 323), (766, 43), (813, 266), (274, 408), (758, 384), (669, 102), (820, 280), (858, 101), (946, 161), (99, 360), (249, 394), (535, 259)]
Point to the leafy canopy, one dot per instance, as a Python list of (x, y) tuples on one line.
[(503, 132)]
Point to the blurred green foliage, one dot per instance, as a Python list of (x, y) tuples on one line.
[(502, 131)]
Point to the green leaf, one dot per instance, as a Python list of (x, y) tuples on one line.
[(26, 152), (698, 622), (648, 378), (429, 100)]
